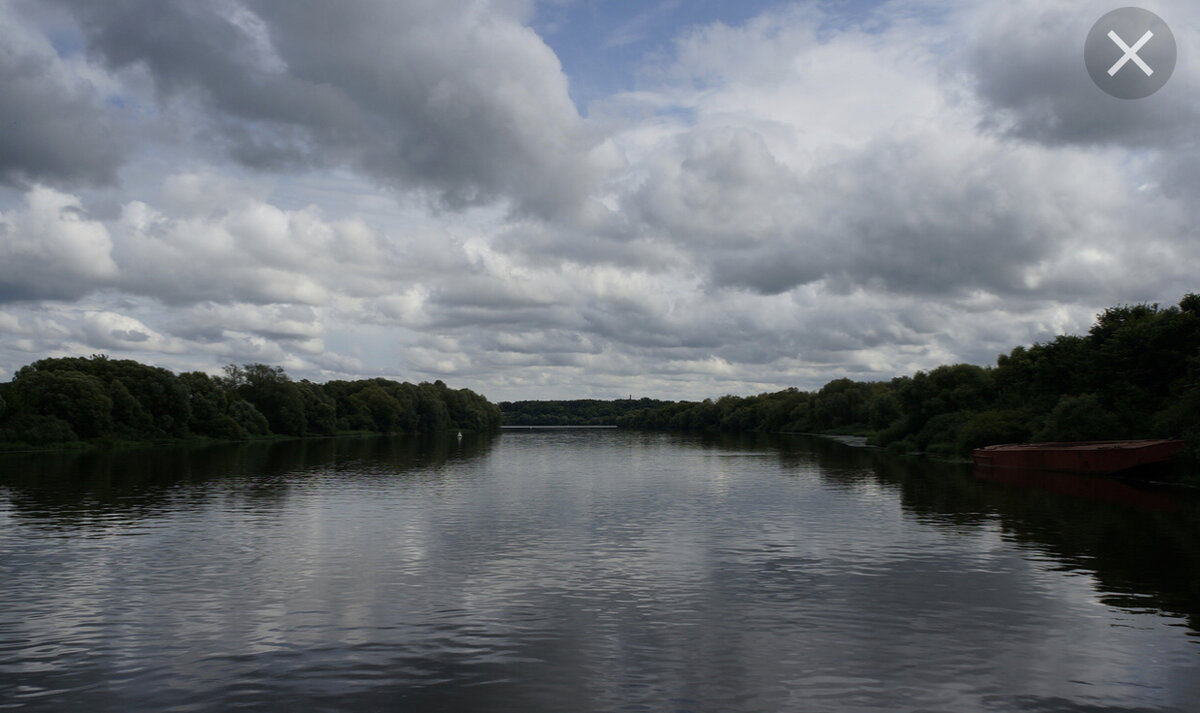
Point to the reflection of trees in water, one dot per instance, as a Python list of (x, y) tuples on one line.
[(1141, 545), (1133, 551), (60, 490)]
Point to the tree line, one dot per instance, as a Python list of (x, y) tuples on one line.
[(1135, 374), (72, 399), (578, 412)]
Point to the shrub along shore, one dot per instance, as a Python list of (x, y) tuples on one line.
[(1135, 374), (71, 401)]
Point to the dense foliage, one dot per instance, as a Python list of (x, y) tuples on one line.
[(83, 399), (1136, 374), (580, 412)]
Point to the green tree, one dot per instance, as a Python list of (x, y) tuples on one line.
[(209, 406), (320, 409), (1080, 418), (884, 410), (988, 428), (273, 393), (248, 418), (1181, 418), (77, 399), (37, 430), (130, 420), (383, 411)]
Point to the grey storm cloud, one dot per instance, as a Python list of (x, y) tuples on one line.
[(53, 126), (449, 97), (1027, 69), (910, 214)]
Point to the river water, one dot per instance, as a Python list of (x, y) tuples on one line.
[(585, 571)]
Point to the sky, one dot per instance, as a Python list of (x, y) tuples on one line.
[(580, 198)]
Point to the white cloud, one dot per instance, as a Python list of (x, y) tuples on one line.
[(51, 249), (223, 246), (104, 330)]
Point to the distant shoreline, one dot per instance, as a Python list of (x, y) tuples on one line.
[(852, 441), (555, 428)]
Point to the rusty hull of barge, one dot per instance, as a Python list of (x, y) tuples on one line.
[(1090, 457)]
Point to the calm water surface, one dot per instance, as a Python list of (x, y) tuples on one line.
[(584, 571)]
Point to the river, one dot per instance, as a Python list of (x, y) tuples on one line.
[(584, 571)]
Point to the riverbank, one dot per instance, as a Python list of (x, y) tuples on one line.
[(117, 445)]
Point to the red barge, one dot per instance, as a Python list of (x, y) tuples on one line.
[(1089, 457)]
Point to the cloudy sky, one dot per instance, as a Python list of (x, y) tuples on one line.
[(580, 198)]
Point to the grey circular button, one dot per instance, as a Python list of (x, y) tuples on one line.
[(1130, 53)]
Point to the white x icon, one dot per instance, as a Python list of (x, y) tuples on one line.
[(1130, 53)]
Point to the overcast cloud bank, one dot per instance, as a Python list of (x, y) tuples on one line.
[(408, 190)]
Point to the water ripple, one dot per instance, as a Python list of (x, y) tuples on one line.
[(623, 574)]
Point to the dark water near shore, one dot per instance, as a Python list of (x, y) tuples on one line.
[(584, 571)]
